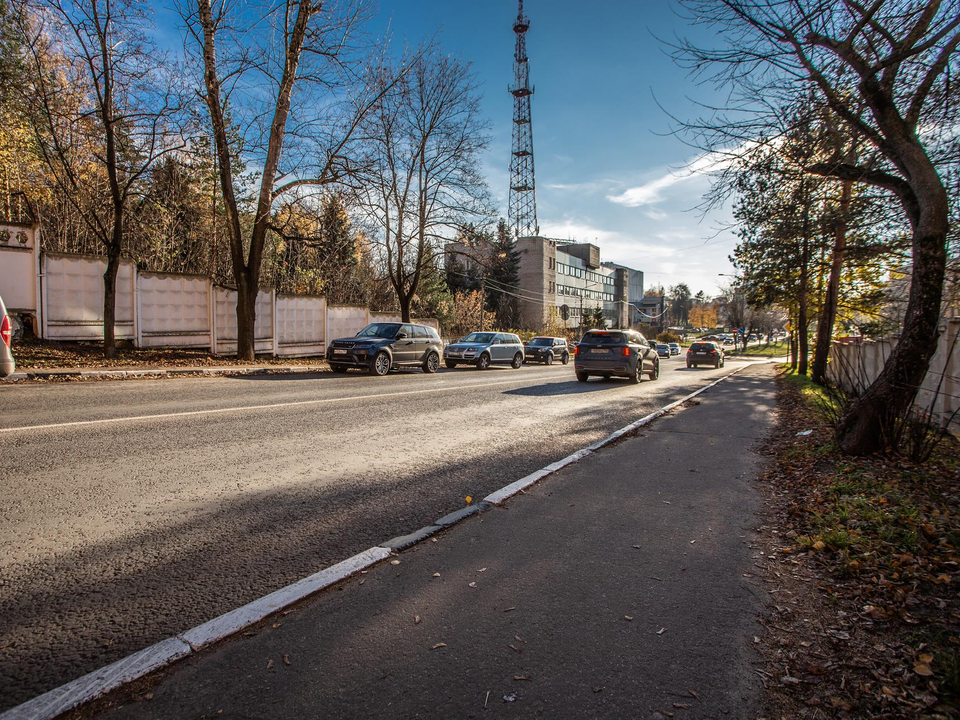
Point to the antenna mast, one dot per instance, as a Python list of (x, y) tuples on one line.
[(523, 195)]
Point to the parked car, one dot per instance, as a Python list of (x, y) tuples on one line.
[(705, 353), (663, 350), (674, 348), (484, 349), (7, 363), (384, 346), (624, 353), (546, 350)]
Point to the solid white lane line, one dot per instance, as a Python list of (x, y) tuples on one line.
[(242, 408)]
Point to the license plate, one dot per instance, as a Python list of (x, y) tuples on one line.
[(453, 354), (600, 352), (338, 351)]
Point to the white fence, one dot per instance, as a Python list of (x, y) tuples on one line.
[(854, 366), (64, 295)]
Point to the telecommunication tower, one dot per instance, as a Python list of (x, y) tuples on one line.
[(523, 193)]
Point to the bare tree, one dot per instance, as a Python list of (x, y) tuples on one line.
[(105, 108), (883, 69), (423, 179), (283, 85)]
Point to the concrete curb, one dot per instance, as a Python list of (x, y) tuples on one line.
[(159, 372), (99, 682)]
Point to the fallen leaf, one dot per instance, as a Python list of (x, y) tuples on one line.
[(922, 669), (436, 574), (394, 562), (438, 645), (416, 619), (515, 648), (518, 678), (596, 688), (482, 570), (149, 696), (628, 617), (661, 631), (509, 697), (473, 584), (788, 680), (269, 663), (636, 547), (681, 705), (692, 542), (509, 609), (362, 581), (694, 693), (286, 659)]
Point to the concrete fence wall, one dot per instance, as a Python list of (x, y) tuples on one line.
[(854, 367), (64, 295)]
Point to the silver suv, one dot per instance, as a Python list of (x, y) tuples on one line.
[(483, 349)]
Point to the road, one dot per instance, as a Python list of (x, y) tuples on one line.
[(134, 510)]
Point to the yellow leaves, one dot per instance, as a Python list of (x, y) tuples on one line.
[(819, 545), (922, 666)]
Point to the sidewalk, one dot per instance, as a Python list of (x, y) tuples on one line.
[(133, 372), (621, 586)]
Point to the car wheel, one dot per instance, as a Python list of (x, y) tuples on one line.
[(565, 358), (689, 364), (451, 364), (655, 373), (381, 364), (432, 362), (637, 375), (339, 368), (582, 376), (483, 362), (517, 361), (548, 360)]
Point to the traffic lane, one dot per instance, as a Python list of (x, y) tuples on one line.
[(149, 528), (26, 405)]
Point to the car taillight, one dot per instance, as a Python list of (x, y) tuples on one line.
[(713, 352), (576, 349), (5, 332), (625, 352)]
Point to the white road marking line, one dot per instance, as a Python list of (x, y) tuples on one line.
[(241, 408)]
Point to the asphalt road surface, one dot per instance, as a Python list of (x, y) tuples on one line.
[(134, 510)]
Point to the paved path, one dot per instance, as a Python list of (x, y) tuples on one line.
[(135, 510), (618, 588)]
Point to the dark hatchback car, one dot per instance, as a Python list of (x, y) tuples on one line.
[(624, 353), (705, 353), (382, 347), (546, 350)]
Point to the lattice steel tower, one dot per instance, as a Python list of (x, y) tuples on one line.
[(523, 193)]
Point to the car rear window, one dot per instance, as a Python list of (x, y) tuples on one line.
[(604, 338), (699, 347)]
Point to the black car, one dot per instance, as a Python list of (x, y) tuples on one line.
[(546, 350), (625, 353), (382, 347), (705, 353)]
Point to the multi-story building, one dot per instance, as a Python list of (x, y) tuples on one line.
[(565, 280)]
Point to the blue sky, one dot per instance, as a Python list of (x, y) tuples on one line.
[(607, 169)]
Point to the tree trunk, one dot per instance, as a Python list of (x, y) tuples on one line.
[(246, 319), (405, 300), (793, 346), (110, 284), (802, 320), (828, 312), (868, 422)]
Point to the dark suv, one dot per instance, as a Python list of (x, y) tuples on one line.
[(705, 353), (384, 346), (546, 350), (625, 353)]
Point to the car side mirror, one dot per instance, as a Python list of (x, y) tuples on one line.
[(401, 335)]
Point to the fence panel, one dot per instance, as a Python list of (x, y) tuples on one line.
[(174, 310), (300, 325), (225, 324), (18, 269), (345, 320), (73, 298)]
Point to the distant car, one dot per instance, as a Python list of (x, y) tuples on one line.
[(663, 350), (624, 353), (484, 349), (385, 346), (7, 363), (546, 349), (674, 348), (705, 353)]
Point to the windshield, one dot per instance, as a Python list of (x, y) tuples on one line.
[(479, 337), (604, 338), (380, 330), (542, 342)]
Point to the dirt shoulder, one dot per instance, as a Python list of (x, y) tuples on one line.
[(860, 558)]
